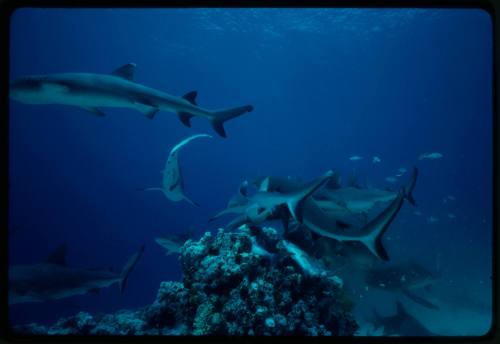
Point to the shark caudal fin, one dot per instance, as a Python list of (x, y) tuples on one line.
[(408, 189), (296, 201), (376, 228), (129, 266), (221, 116)]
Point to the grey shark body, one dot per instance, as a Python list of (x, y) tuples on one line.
[(406, 278), (370, 235), (401, 323), (323, 214), (53, 279), (172, 243), (172, 181), (118, 89), (266, 205)]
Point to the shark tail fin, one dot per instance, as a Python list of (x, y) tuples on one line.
[(221, 116), (129, 266), (410, 186), (376, 228), (295, 203)]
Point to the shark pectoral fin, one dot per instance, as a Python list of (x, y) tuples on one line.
[(420, 300), (185, 118), (151, 112), (219, 128), (94, 110)]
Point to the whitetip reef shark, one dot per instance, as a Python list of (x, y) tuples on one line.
[(172, 181), (53, 279), (92, 91)]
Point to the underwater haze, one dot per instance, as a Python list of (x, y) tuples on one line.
[(369, 93)]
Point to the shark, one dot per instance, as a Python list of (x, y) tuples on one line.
[(53, 279), (268, 205), (172, 243), (369, 235), (172, 181), (343, 201), (92, 91), (405, 278), (401, 323), (327, 217), (347, 254), (310, 265), (237, 204)]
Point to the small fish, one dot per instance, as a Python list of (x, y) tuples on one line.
[(402, 170), (432, 219), (399, 175), (451, 198), (451, 215), (430, 156), (391, 179), (376, 159), (418, 213), (355, 158), (445, 200)]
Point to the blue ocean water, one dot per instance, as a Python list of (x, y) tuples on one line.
[(326, 85)]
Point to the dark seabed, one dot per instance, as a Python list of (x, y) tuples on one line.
[(331, 89)]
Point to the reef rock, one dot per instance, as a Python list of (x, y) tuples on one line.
[(234, 283)]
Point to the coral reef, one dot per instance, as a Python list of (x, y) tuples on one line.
[(234, 283)]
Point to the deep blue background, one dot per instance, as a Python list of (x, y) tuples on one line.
[(325, 84)]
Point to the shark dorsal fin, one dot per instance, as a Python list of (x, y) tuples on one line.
[(125, 71), (191, 97), (334, 182), (58, 256), (264, 186), (243, 189)]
